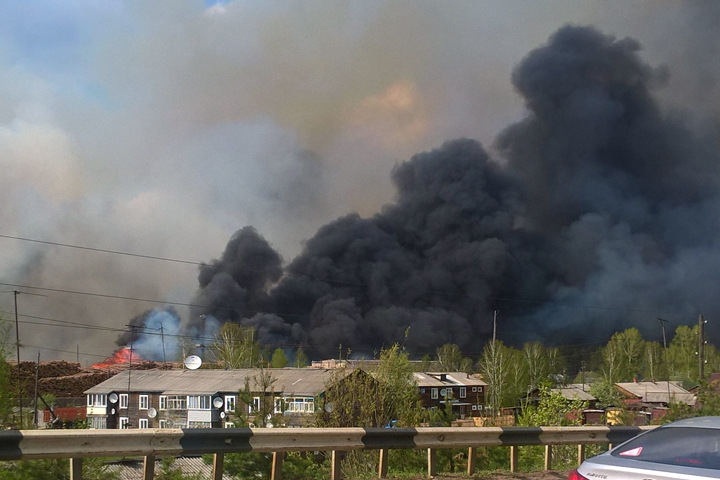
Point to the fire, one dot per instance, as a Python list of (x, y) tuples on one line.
[(120, 357)]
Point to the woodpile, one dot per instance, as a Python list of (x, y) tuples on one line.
[(67, 379)]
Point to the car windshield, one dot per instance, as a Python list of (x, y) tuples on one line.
[(696, 447)]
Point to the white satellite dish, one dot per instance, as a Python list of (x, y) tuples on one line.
[(152, 413), (218, 402), (222, 415), (113, 397), (329, 407), (193, 362), (443, 392)]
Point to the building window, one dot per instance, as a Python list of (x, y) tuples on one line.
[(194, 424), (176, 402), (163, 424), (255, 405), (143, 400), (163, 402), (98, 422), (229, 425), (230, 403), (124, 423), (422, 391), (97, 400), (198, 402), (434, 393), (278, 405), (463, 392), (299, 404), (143, 423), (123, 400)]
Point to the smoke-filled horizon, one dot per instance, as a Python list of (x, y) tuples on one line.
[(375, 165), (598, 199)]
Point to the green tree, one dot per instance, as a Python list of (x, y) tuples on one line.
[(278, 359), (7, 396), (451, 359), (606, 394), (234, 346), (498, 365), (387, 393), (623, 357), (539, 362), (301, 360), (682, 354), (552, 409)]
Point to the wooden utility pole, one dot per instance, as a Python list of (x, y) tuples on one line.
[(701, 348)]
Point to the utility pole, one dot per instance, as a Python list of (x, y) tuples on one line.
[(37, 374), (667, 366), (17, 344), (701, 347), (162, 339)]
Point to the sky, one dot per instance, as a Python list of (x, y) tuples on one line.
[(160, 129)]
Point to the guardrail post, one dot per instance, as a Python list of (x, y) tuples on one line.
[(548, 457), (277, 460), (149, 467), (383, 463), (581, 453), (218, 465), (513, 458), (335, 471), (76, 468), (471, 461), (432, 463)]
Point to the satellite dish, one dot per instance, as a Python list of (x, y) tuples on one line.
[(112, 411), (329, 407), (218, 402), (222, 415), (152, 413), (113, 397), (193, 362), (443, 392)]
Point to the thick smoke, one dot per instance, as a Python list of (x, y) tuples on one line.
[(154, 335), (601, 214)]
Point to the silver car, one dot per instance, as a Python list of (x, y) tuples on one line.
[(683, 450)]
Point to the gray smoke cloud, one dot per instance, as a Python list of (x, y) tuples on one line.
[(600, 200), (159, 130)]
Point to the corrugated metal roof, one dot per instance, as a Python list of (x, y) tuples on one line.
[(658, 392), (288, 381), (576, 391), (433, 379)]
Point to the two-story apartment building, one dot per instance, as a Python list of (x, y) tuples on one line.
[(204, 398), (465, 392)]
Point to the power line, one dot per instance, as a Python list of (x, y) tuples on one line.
[(295, 275), (102, 295), (102, 250)]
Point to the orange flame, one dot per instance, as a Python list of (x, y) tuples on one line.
[(120, 357)]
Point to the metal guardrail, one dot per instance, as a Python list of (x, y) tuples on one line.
[(149, 443)]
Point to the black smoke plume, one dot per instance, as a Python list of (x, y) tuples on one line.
[(601, 214)]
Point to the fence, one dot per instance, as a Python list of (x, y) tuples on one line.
[(149, 443)]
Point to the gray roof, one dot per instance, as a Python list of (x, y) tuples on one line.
[(288, 381), (576, 391), (658, 392), (460, 379)]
